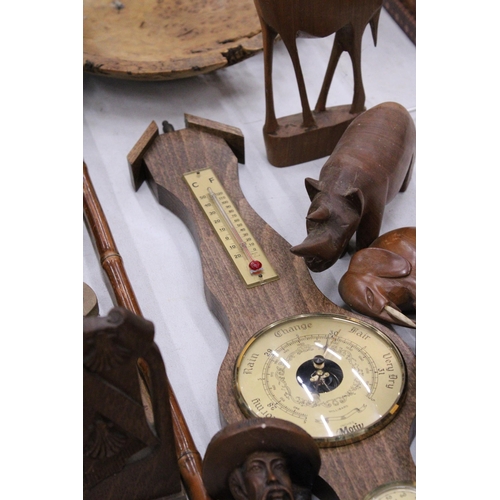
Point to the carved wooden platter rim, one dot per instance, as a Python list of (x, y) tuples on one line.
[(167, 39)]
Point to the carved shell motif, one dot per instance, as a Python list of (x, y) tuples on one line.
[(104, 351), (105, 439)]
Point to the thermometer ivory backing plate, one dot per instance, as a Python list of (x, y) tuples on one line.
[(229, 227), (339, 378)]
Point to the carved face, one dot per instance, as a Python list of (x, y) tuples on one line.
[(263, 476)]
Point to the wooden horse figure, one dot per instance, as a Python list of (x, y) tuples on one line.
[(316, 18)]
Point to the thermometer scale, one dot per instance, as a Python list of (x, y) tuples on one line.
[(286, 316), (241, 246)]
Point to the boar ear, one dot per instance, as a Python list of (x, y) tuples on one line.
[(313, 245), (356, 198), (380, 262), (312, 187), (321, 214)]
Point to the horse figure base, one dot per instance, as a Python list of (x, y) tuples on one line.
[(292, 143)]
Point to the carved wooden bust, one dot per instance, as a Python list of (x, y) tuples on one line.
[(262, 459)]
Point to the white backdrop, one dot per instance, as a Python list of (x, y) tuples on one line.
[(159, 253)]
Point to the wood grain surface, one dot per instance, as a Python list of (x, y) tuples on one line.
[(292, 143), (167, 39), (354, 469)]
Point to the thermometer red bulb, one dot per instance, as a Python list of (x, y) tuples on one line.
[(255, 267)]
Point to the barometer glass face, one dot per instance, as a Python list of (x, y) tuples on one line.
[(404, 490), (338, 378)]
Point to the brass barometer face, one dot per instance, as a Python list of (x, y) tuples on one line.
[(404, 490), (339, 378)]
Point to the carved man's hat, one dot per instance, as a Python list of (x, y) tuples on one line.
[(230, 447)]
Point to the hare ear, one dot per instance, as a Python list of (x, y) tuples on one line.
[(312, 187), (379, 262)]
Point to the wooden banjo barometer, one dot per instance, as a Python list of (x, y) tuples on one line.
[(293, 354)]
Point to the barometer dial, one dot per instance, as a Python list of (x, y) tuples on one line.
[(339, 378), (404, 490)]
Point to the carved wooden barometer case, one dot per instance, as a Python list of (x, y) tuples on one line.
[(292, 354)]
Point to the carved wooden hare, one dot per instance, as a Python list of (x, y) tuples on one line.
[(371, 163), (384, 274)]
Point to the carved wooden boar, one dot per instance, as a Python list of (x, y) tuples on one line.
[(371, 163)]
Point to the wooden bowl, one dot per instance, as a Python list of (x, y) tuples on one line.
[(167, 39)]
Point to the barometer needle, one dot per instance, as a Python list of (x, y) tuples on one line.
[(330, 337)]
